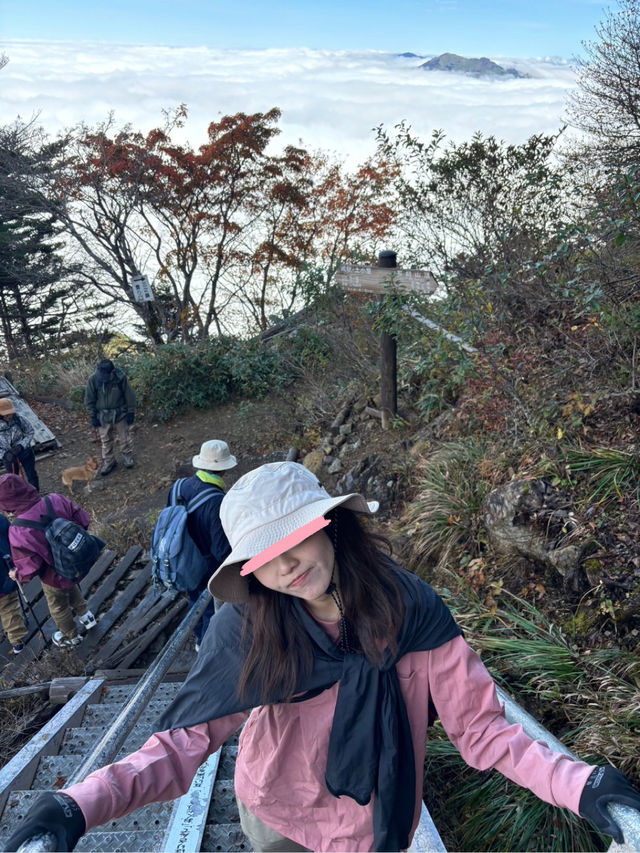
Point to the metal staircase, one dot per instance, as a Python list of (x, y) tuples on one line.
[(206, 815)]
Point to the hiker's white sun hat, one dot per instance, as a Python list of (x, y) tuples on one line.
[(266, 512), (214, 456)]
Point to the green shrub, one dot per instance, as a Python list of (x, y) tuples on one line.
[(256, 370), (178, 375)]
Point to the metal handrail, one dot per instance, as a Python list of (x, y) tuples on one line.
[(107, 747)]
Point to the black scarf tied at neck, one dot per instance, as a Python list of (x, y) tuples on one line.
[(370, 745)]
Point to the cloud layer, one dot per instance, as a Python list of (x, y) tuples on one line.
[(329, 99)]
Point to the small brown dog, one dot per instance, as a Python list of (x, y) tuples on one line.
[(84, 472)]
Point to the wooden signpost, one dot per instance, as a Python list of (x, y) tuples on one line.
[(373, 280)]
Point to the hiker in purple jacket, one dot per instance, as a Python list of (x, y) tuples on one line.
[(32, 556)]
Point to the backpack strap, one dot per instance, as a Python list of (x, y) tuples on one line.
[(201, 499), (38, 525), (23, 522), (175, 496), (50, 510)]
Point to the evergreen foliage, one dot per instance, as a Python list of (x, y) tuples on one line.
[(36, 292)]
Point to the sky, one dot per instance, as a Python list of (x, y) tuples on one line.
[(488, 27), (332, 66)]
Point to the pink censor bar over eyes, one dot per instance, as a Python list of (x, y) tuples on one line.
[(283, 545)]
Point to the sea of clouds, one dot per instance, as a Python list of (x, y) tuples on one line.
[(329, 99)]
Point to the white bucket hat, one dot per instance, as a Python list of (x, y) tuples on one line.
[(214, 456), (266, 512)]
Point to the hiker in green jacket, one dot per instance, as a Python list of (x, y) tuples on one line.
[(111, 403)]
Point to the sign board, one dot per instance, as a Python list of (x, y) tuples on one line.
[(141, 289), (374, 279)]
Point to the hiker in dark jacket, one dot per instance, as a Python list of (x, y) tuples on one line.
[(32, 556), (11, 615), (111, 403), (16, 435), (204, 524)]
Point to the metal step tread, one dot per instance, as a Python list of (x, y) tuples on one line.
[(121, 692), (106, 712), (79, 741), (223, 807), (125, 841), (224, 837)]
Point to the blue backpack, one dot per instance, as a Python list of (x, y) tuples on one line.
[(73, 549), (177, 562)]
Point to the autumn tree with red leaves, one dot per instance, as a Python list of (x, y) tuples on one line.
[(227, 234)]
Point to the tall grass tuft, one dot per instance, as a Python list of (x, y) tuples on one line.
[(492, 813), (444, 514), (612, 473)]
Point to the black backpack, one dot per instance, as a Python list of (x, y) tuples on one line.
[(73, 549)]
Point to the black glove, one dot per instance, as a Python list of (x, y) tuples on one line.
[(607, 785), (130, 418), (95, 422), (9, 457), (57, 814)]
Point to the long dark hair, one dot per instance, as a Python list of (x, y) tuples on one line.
[(279, 650)]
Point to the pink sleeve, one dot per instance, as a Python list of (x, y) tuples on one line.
[(162, 769), (464, 694)]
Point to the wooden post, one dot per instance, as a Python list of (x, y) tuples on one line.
[(375, 280), (388, 359)]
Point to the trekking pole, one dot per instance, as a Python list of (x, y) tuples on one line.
[(24, 600)]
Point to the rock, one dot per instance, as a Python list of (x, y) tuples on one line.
[(335, 467), (368, 478), (531, 519), (339, 420), (346, 429), (313, 461), (326, 444)]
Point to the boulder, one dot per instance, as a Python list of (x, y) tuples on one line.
[(533, 520)]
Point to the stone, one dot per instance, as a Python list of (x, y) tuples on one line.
[(313, 461), (335, 467), (326, 444), (338, 420), (531, 519)]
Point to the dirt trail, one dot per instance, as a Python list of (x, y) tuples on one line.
[(163, 451)]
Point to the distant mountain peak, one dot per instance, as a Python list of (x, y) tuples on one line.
[(482, 67)]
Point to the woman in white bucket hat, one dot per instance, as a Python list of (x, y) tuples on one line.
[(338, 655)]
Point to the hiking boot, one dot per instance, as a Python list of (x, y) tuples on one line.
[(88, 621), (63, 642), (127, 458), (107, 467), (17, 648)]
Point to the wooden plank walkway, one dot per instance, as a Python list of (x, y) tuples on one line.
[(125, 628)]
